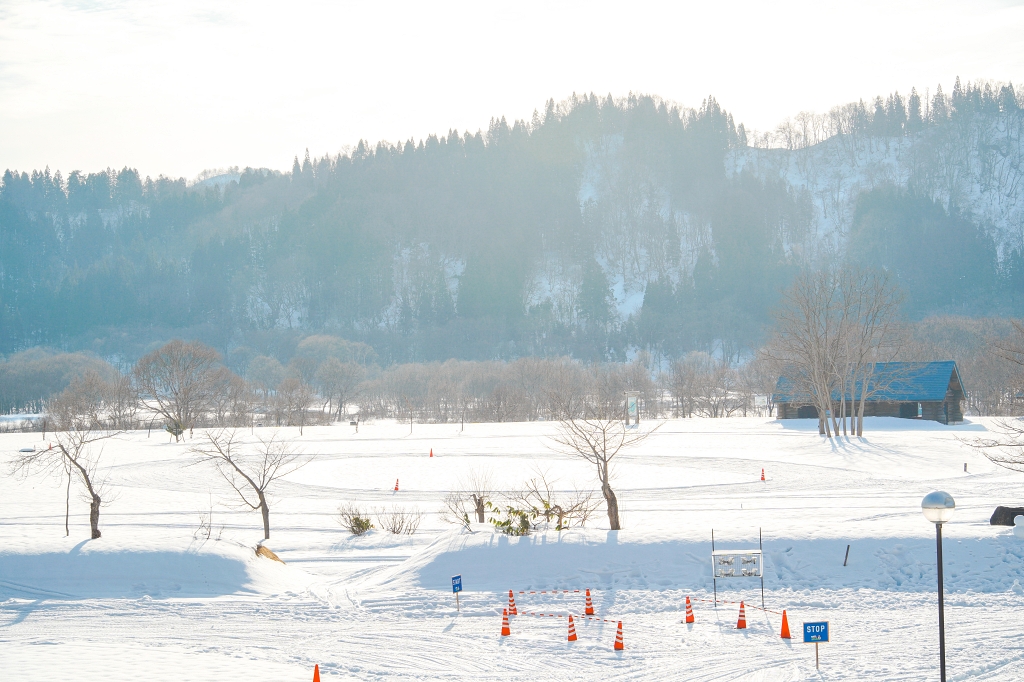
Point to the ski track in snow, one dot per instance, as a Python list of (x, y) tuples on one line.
[(151, 600)]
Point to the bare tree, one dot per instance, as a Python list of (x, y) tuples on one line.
[(471, 497), (682, 384), (73, 456), (758, 378), (808, 343), (872, 303), (249, 468), (831, 330), (181, 380), (1006, 450), (339, 382), (293, 401), (598, 441), (123, 402), (233, 402)]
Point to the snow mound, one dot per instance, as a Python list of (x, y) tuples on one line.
[(638, 560), (94, 569), (547, 560)]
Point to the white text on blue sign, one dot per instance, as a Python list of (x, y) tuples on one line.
[(815, 632)]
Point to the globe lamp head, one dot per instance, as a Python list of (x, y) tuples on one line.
[(938, 506)]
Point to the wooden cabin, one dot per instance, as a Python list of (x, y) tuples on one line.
[(909, 390)]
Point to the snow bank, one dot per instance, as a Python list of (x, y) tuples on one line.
[(101, 569), (580, 559)]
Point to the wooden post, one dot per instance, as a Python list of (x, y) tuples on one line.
[(816, 656), (847, 555), (459, 609)]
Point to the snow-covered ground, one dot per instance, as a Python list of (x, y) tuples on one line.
[(150, 600)]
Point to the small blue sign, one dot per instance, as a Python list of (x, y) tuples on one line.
[(456, 583), (815, 632)]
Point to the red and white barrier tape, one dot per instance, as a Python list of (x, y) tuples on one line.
[(745, 605), (547, 591), (564, 615)]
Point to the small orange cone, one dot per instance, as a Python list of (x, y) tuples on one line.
[(618, 638), (590, 604), (316, 673), (512, 605), (689, 610), (431, 452), (785, 626), (396, 485), (762, 474), (505, 631), (572, 630), (741, 624)]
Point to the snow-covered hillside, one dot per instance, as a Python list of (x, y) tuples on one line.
[(974, 166), (155, 599)]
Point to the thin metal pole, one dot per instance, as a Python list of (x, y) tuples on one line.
[(714, 580), (761, 547), (942, 620)]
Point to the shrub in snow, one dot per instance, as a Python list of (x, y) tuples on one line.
[(564, 509), (398, 521), (513, 521), (351, 519)]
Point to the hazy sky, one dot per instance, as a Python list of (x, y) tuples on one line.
[(177, 86)]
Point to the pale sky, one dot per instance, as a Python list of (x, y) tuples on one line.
[(178, 86)]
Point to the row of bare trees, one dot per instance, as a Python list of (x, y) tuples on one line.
[(832, 329), (521, 390), (704, 386), (249, 466), (184, 385)]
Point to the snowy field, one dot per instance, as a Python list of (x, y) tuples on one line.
[(150, 600)]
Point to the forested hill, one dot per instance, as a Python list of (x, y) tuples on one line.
[(599, 227)]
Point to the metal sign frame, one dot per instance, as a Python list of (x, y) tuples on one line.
[(737, 563), (753, 557)]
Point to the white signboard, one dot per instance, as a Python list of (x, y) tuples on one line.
[(736, 563)]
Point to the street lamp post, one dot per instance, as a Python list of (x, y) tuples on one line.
[(938, 508)]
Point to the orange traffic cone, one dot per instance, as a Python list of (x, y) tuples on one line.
[(785, 626), (689, 610), (316, 673), (512, 604), (762, 474), (431, 452), (590, 604), (505, 632), (618, 638), (396, 485), (741, 624), (572, 630)]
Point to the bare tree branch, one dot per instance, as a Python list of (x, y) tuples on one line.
[(249, 468)]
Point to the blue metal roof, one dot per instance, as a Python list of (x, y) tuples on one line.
[(891, 382)]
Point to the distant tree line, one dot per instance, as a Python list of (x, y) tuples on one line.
[(596, 229)]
